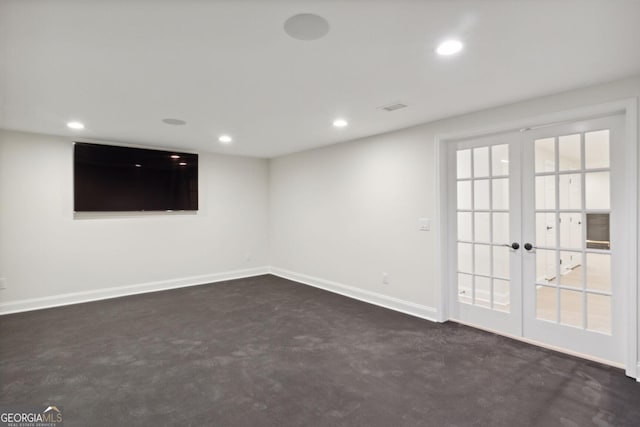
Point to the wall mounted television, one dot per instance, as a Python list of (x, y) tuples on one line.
[(110, 178)]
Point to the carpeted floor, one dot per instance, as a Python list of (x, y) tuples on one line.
[(265, 351)]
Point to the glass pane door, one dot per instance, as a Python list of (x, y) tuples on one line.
[(570, 238), (537, 235), (573, 231), (486, 227)]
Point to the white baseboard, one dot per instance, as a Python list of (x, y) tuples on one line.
[(121, 291), (374, 298), (410, 308)]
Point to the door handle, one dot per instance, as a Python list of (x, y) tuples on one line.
[(514, 245), (529, 246)]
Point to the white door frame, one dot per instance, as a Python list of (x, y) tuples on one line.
[(629, 108)]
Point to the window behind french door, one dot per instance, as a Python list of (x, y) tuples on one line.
[(538, 235)]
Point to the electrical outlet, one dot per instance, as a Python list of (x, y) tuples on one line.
[(385, 278), (3, 283)]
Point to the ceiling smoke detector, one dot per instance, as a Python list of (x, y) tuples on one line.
[(393, 107)]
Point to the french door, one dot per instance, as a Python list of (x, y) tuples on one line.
[(487, 232), (538, 238)]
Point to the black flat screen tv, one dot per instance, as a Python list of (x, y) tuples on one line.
[(110, 178)]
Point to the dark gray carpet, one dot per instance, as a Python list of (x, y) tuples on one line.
[(265, 351)]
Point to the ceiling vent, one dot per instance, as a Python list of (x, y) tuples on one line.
[(393, 107)]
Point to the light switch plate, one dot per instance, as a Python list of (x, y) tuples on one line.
[(424, 224)]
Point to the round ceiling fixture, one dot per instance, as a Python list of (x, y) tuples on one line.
[(75, 125), (340, 123), (306, 26), (225, 139), (174, 122), (449, 47)]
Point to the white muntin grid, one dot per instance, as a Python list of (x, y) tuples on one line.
[(474, 244), (558, 248)]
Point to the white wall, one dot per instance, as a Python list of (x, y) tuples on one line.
[(45, 251), (338, 216), (349, 212)]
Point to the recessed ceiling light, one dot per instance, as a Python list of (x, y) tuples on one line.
[(306, 26), (75, 125), (183, 163), (340, 123), (449, 47), (138, 165), (175, 156), (174, 122), (225, 139)]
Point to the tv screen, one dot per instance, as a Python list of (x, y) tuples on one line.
[(111, 178)]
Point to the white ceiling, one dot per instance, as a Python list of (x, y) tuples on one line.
[(120, 66)]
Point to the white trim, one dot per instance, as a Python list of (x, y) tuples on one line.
[(406, 307), (627, 106), (576, 114), (121, 291), (441, 232), (543, 345), (631, 136)]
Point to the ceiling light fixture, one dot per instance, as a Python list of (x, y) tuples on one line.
[(340, 123), (225, 139), (449, 47), (183, 163), (175, 156), (75, 125)]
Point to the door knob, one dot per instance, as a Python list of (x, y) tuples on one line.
[(528, 246), (514, 245)]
